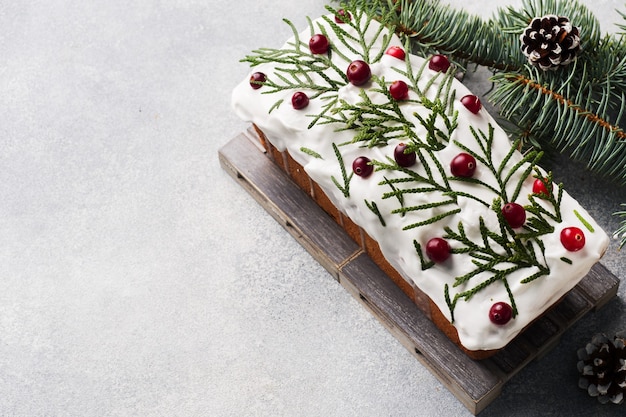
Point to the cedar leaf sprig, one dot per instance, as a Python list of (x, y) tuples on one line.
[(500, 252), (485, 142), (496, 257), (374, 208), (296, 67), (360, 22), (374, 124), (345, 188), (433, 181), (380, 120)]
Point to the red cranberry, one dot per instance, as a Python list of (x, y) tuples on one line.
[(500, 313), (438, 249), (257, 79), (463, 165), (514, 214), (403, 158), (299, 100), (318, 44), (572, 239), (439, 63), (362, 167), (358, 72), (399, 90), (396, 52), (342, 16), (539, 187), (472, 103)]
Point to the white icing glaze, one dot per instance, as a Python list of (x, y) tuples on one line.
[(287, 129)]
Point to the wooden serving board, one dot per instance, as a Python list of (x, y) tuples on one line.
[(474, 383)]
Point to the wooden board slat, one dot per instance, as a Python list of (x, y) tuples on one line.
[(474, 383)]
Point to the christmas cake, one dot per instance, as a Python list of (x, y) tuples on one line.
[(407, 160)]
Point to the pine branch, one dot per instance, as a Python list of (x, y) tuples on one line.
[(549, 118)]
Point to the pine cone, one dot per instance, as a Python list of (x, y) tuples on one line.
[(602, 366), (550, 41)]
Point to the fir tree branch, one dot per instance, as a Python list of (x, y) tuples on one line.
[(530, 85)]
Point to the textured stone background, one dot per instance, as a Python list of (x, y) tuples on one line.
[(137, 278)]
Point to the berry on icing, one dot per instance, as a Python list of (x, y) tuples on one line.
[(514, 214), (573, 239), (342, 16), (463, 165), (439, 63), (358, 72), (396, 52), (299, 100), (257, 79), (539, 187), (438, 250), (318, 44), (362, 166), (402, 157), (472, 103), (500, 313), (399, 90)]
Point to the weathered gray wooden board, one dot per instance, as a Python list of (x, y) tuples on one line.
[(474, 383)]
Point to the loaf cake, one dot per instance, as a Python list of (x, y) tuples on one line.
[(405, 158)]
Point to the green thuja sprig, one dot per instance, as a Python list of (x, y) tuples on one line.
[(427, 183), (378, 118), (360, 22), (374, 208), (500, 252), (538, 223), (395, 192), (296, 68), (505, 249), (584, 221), (311, 152), (436, 137), (345, 188), (330, 103), (375, 124), (425, 264)]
